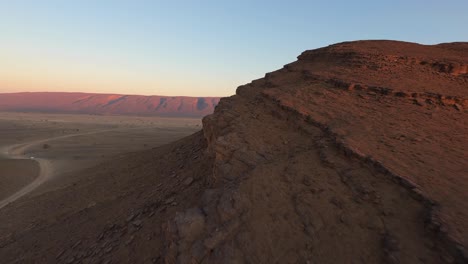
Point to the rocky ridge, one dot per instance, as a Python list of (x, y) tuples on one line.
[(355, 153), (362, 196)]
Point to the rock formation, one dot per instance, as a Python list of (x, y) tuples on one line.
[(355, 153), (358, 150)]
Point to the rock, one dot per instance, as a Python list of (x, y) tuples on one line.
[(463, 251), (137, 223), (343, 219), (60, 254), (130, 240), (418, 101), (335, 201), (170, 200), (390, 243), (131, 217), (391, 247), (188, 181), (458, 107), (91, 204), (76, 244), (448, 259), (221, 234), (307, 181), (109, 249), (190, 223)]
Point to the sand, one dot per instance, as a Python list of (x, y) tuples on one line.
[(15, 174), (38, 147)]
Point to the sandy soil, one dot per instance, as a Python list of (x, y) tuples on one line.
[(38, 147), (16, 174)]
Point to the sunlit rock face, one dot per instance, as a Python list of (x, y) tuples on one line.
[(345, 142)]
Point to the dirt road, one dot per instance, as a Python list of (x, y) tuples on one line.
[(46, 170)]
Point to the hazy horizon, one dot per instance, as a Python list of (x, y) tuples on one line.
[(190, 48), (108, 93)]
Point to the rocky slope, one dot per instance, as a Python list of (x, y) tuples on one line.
[(355, 153), (113, 104)]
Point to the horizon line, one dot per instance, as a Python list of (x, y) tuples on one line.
[(98, 93)]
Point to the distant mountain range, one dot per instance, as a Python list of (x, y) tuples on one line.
[(107, 104)]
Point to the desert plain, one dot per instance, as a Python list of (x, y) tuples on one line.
[(40, 152)]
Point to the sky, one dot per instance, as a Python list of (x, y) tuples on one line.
[(193, 48)]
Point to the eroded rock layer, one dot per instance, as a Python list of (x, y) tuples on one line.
[(355, 153)]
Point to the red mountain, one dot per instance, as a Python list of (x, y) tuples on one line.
[(112, 104)]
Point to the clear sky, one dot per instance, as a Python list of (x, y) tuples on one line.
[(194, 48)]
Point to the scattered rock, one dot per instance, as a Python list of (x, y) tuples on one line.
[(131, 217), (109, 249), (169, 200), (336, 202), (343, 219), (458, 107), (130, 240), (188, 181), (190, 224), (136, 223), (419, 102)]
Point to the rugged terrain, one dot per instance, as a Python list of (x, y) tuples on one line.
[(108, 104), (355, 153)]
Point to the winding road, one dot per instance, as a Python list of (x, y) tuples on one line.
[(46, 171)]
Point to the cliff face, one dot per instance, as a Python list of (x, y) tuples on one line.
[(113, 104), (355, 153)]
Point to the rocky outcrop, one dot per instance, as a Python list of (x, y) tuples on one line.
[(312, 164), (109, 104), (355, 153)]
